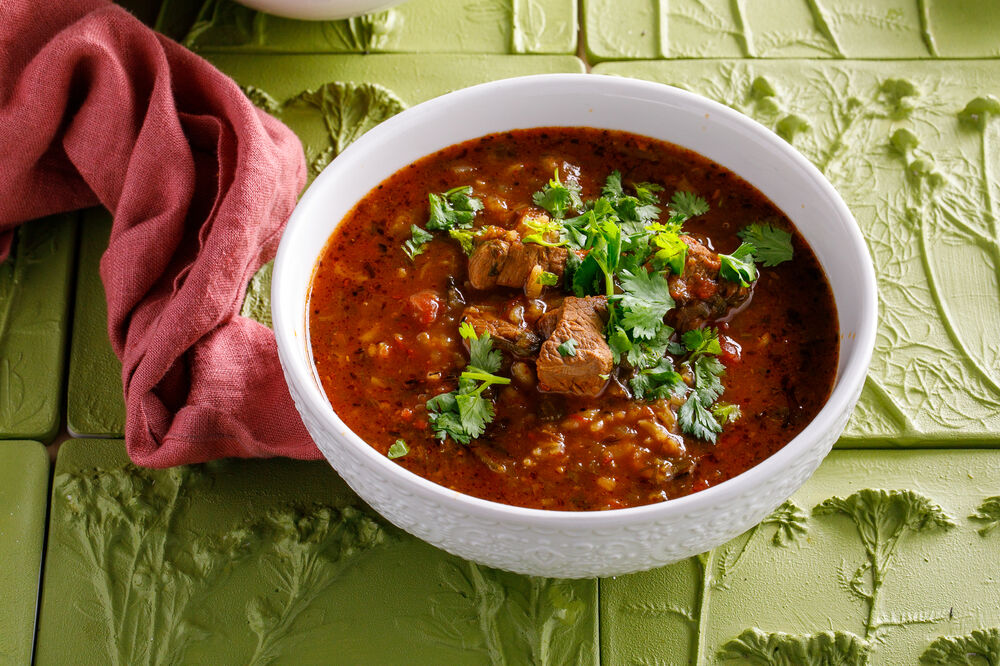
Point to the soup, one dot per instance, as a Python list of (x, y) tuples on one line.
[(572, 319)]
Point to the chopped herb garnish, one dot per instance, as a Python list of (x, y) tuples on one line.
[(688, 205), (726, 413), (644, 303), (659, 381), (708, 372), (418, 239), (698, 421), (464, 414), (398, 450), (547, 279), (702, 341), (558, 198), (567, 348), (543, 228), (456, 208), (738, 266), (773, 246), (465, 238)]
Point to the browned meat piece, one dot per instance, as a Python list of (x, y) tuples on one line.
[(506, 336), (547, 323), (700, 294), (508, 263), (583, 320)]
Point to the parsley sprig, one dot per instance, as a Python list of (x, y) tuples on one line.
[(464, 414)]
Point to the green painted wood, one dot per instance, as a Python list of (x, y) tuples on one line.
[(416, 26), (656, 29), (24, 485), (95, 405), (34, 324), (911, 146), (274, 561), (928, 569)]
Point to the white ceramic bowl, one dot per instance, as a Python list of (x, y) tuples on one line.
[(595, 543), (319, 10)]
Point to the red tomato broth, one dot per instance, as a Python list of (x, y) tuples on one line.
[(385, 337)]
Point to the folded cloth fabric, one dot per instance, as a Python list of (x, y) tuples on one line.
[(95, 107)]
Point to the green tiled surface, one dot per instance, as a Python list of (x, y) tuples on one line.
[(34, 323), (808, 572), (274, 561), (417, 26), (919, 176), (823, 29), (24, 485), (277, 561), (94, 402)]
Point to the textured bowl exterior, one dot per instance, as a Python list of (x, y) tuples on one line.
[(576, 544)]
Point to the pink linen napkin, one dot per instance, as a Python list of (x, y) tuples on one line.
[(95, 107)]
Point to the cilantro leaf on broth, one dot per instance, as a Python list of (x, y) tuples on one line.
[(773, 246), (557, 197), (464, 414), (482, 356), (726, 413), (738, 266), (417, 242), (465, 238), (456, 208), (398, 449), (644, 303), (708, 372), (698, 421), (702, 341), (687, 205), (544, 229), (660, 381)]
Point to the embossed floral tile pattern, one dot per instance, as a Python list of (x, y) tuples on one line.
[(913, 149), (416, 26), (34, 321), (24, 485), (94, 403), (274, 561), (879, 554), (652, 29)]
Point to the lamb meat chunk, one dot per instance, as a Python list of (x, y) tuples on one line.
[(508, 337), (509, 263), (701, 295), (585, 373)]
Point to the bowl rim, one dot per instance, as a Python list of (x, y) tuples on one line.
[(847, 384)]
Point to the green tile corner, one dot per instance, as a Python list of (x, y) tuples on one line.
[(24, 485), (34, 325)]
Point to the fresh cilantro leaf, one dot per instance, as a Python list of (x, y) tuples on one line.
[(773, 246), (543, 228), (456, 208), (702, 341), (558, 198), (567, 348), (418, 239), (613, 186), (672, 252), (481, 353), (660, 381), (688, 204), (738, 266), (647, 353), (398, 450), (726, 413), (698, 421), (442, 412), (644, 303), (585, 279), (547, 279), (708, 372), (645, 192), (618, 341), (465, 237), (474, 412)]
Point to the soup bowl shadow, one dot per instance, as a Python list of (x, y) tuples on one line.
[(575, 544)]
